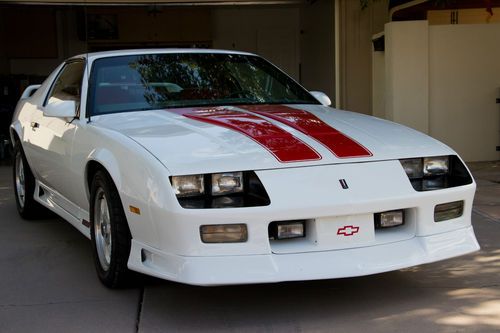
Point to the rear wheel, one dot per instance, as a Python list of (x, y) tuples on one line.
[(111, 238), (24, 187)]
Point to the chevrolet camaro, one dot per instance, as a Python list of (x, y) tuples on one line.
[(213, 167)]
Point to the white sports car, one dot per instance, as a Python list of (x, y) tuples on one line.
[(213, 167)]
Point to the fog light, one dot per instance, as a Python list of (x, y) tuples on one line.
[(448, 211), (224, 233), (389, 219), (286, 230)]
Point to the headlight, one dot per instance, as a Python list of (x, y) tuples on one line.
[(188, 186), (220, 190), (436, 166), (434, 173), (227, 183)]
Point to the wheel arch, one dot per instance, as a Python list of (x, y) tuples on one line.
[(105, 161), (90, 170), (15, 132)]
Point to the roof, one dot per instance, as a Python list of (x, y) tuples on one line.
[(105, 54)]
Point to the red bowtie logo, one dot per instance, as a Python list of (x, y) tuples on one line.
[(348, 230)]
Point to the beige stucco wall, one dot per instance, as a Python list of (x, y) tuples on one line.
[(407, 73), (443, 80), (464, 73)]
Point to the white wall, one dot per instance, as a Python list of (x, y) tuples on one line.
[(464, 71)]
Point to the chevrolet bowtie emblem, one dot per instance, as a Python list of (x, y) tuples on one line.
[(348, 230)]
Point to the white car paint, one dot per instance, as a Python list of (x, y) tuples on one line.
[(141, 150), (225, 150)]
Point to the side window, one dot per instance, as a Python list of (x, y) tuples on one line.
[(68, 84)]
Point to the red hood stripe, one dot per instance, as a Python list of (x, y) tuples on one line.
[(284, 146), (338, 143)]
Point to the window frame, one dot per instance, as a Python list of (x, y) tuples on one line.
[(61, 71)]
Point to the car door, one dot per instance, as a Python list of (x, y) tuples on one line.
[(52, 137)]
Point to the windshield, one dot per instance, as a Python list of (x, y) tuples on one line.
[(154, 81)]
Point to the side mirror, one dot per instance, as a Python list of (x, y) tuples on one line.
[(321, 97), (60, 109), (30, 90)]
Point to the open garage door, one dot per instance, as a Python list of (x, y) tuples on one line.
[(152, 2), (296, 35)]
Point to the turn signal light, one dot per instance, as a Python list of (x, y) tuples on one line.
[(224, 233), (448, 211)]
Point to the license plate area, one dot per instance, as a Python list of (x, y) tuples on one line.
[(331, 233), (344, 232)]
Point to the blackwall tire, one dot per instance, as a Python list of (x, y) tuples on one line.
[(110, 234)]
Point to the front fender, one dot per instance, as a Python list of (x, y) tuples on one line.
[(141, 180)]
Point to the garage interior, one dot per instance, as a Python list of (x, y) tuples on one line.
[(297, 36), (325, 45)]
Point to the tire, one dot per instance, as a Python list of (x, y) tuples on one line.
[(24, 187), (110, 234)]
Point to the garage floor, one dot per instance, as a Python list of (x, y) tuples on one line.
[(47, 283)]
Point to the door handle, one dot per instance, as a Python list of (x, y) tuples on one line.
[(34, 124)]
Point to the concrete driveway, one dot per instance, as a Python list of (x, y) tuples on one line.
[(48, 284)]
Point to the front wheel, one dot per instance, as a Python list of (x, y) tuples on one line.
[(111, 238)]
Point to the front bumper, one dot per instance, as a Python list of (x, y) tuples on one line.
[(313, 194), (246, 269)]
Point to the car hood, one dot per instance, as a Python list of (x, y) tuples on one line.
[(191, 141)]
